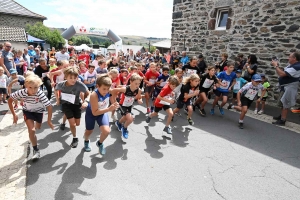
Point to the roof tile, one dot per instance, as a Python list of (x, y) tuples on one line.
[(14, 34)]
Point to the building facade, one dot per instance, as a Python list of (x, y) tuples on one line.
[(266, 28)]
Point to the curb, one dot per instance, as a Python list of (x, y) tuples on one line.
[(13, 157)]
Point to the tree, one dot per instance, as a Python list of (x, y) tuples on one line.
[(152, 49), (82, 39), (107, 43), (39, 30)]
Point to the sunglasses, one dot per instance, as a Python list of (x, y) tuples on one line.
[(8, 46)]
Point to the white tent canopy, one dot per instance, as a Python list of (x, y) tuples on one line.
[(83, 46)]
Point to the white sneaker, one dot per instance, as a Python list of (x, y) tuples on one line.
[(114, 118), (260, 112), (36, 155), (255, 112)]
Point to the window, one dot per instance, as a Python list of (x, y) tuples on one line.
[(221, 19)]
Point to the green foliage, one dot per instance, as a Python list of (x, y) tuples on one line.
[(152, 49), (81, 39), (39, 30), (106, 44), (128, 43)]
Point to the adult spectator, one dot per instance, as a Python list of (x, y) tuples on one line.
[(95, 62), (184, 59), (92, 55), (288, 81), (27, 58), (52, 53), (191, 67), (84, 57), (250, 67), (223, 63), (112, 63), (138, 56), (168, 57), (42, 71), (31, 53), (37, 55), (1, 47), (201, 64), (62, 55), (157, 57), (19, 62), (240, 62), (7, 58), (130, 56), (174, 59)]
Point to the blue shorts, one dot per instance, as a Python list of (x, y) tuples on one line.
[(102, 120), (219, 93), (37, 117)]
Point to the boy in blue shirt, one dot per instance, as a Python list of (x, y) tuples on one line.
[(228, 79), (240, 82)]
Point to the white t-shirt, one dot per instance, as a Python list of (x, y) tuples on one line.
[(59, 56), (95, 63)]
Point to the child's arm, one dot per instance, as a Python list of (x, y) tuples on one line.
[(139, 97), (114, 92), (233, 83), (86, 98), (187, 95), (171, 101), (49, 109), (238, 97), (94, 105), (263, 93)]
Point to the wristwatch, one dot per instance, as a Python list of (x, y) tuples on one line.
[(86, 101)]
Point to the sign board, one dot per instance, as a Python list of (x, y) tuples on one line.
[(91, 30)]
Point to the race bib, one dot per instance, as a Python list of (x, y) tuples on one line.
[(191, 71), (2, 83), (44, 74), (68, 97), (191, 92), (128, 101), (16, 86), (207, 83), (164, 102), (152, 81), (251, 94), (162, 84), (103, 104), (33, 106), (227, 84), (237, 85)]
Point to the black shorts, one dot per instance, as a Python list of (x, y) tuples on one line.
[(3, 91), (263, 99), (125, 110), (148, 89), (205, 90), (37, 117), (246, 102), (218, 93), (181, 103), (165, 107), (71, 110), (234, 95)]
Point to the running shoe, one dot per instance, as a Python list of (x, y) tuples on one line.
[(87, 146), (277, 118), (4, 101), (62, 126), (36, 155), (230, 106), (148, 110), (119, 125), (1, 102), (221, 111), (124, 133), (260, 112), (74, 143), (101, 147), (148, 119), (168, 130), (212, 111), (293, 110), (279, 122), (241, 125), (255, 112), (114, 118), (191, 122), (202, 112)]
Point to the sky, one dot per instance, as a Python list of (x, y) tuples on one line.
[(124, 17)]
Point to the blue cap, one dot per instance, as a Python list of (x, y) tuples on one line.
[(12, 71), (238, 71), (256, 77), (262, 75)]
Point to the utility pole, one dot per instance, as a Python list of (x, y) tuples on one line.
[(184, 42), (149, 46)]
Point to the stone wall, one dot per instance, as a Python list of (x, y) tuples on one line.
[(17, 21), (265, 28)]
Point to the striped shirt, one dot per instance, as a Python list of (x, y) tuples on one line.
[(35, 103)]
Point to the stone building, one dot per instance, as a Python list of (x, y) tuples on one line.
[(265, 28), (13, 20)]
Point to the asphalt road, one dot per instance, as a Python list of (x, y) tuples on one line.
[(213, 159)]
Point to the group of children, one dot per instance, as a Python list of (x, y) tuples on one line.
[(100, 91)]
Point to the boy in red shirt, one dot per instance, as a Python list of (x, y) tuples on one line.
[(164, 100), (150, 80)]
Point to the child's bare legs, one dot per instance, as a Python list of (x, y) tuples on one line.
[(147, 97), (263, 103), (31, 130), (127, 120), (257, 104), (176, 110), (104, 132), (224, 101), (170, 115), (73, 123), (87, 134), (243, 110), (215, 102), (190, 111), (204, 100)]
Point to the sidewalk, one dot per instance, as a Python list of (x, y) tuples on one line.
[(13, 148)]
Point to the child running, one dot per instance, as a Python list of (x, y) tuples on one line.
[(90, 77), (164, 100), (240, 82), (97, 111), (35, 102), (129, 93), (3, 86), (228, 80), (261, 99), (189, 89), (69, 92), (246, 95), (114, 75), (150, 80)]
